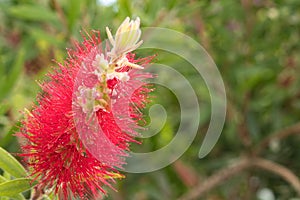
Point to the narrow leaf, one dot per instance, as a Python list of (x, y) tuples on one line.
[(2, 179), (14, 187), (73, 13), (9, 80), (9, 164), (8, 138), (18, 197), (32, 12)]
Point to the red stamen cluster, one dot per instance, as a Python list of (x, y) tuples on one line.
[(57, 153)]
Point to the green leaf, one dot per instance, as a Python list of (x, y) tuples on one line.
[(73, 13), (18, 197), (9, 164), (32, 12), (9, 139), (2, 179), (14, 187), (8, 81), (7, 176)]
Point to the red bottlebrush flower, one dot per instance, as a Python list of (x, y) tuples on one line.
[(86, 115)]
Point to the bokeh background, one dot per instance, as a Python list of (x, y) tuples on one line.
[(254, 43)]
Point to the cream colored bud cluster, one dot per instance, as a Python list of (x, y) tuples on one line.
[(126, 40)]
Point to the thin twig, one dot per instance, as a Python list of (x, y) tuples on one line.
[(243, 164), (294, 129), (216, 179), (279, 170)]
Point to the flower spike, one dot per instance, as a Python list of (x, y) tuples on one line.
[(93, 88)]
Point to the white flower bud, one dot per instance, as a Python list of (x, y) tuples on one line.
[(126, 38)]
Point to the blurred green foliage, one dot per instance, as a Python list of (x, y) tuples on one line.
[(255, 44)]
